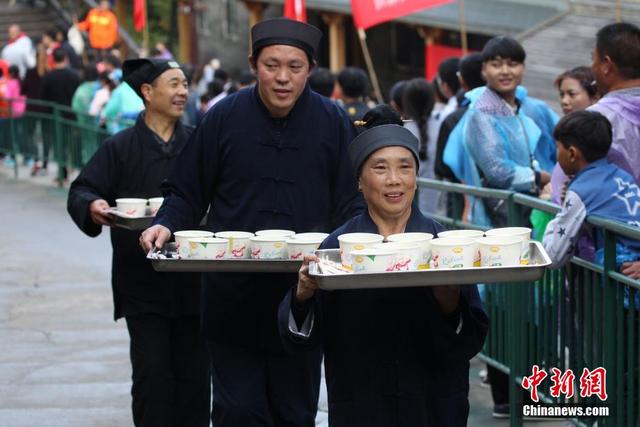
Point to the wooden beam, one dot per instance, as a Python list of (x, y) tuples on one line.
[(337, 41), (184, 30), (256, 11)]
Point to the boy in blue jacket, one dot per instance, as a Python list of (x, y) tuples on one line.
[(598, 188)]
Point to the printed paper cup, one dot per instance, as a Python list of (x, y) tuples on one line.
[(154, 204), (523, 232), (500, 251), (276, 232), (182, 240), (208, 248), (372, 260), (135, 208), (409, 254), (356, 241), (465, 234), (312, 235), (422, 239), (239, 244), (269, 247), (453, 252), (297, 248)]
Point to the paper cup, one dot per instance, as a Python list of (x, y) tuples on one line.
[(523, 232), (422, 239), (356, 241), (154, 204), (276, 232), (409, 254), (182, 240), (465, 234), (453, 252), (313, 235), (297, 248), (268, 247), (208, 248), (500, 251), (239, 244), (135, 208), (372, 260)]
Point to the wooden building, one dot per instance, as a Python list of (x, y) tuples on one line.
[(397, 48)]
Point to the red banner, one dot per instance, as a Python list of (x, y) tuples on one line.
[(139, 14), (367, 13), (434, 54), (295, 9)]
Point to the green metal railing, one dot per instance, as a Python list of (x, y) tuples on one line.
[(49, 131), (573, 318)]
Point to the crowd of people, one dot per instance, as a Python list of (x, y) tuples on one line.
[(290, 145)]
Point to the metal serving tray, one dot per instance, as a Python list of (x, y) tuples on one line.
[(538, 262), (123, 220), (168, 261)]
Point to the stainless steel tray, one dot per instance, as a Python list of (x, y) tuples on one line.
[(123, 220), (169, 262), (538, 262)]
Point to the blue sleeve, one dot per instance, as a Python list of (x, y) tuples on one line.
[(489, 152)]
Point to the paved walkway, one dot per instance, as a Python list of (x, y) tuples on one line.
[(64, 361)]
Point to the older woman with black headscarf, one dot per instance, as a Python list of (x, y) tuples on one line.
[(397, 356)]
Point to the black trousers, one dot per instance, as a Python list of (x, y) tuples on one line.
[(171, 377), (253, 388)]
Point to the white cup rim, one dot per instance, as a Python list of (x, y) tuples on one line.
[(275, 231), (453, 241), (269, 238), (360, 238), (470, 233), (208, 240), (234, 234), (500, 241), (131, 200), (414, 236), (304, 241), (193, 233), (508, 231)]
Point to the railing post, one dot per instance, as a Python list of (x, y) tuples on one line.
[(12, 136), (59, 152), (516, 338), (609, 326)]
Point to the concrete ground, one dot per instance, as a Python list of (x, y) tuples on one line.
[(64, 361)]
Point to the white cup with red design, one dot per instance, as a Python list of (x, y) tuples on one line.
[(269, 246), (239, 243), (453, 252), (356, 241), (276, 232), (297, 248), (421, 239), (154, 204), (373, 260), (134, 208), (182, 240), (409, 254), (523, 232), (465, 234), (208, 248), (502, 251)]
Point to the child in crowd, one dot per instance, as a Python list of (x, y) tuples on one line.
[(599, 188)]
